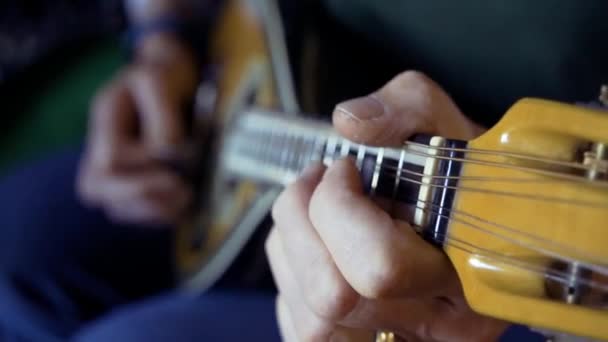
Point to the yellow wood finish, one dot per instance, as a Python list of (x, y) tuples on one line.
[(238, 45), (481, 218)]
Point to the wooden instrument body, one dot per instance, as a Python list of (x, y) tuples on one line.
[(540, 212), (239, 49), (493, 286)]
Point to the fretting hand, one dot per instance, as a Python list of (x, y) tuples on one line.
[(346, 269)]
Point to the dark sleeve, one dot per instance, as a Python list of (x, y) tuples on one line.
[(519, 333)]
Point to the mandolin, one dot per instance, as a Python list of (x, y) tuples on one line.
[(521, 211)]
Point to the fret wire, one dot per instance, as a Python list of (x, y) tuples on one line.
[(398, 174), (266, 150), (281, 152), (360, 156), (336, 153), (293, 155), (330, 150), (272, 152), (345, 150), (284, 164), (319, 148), (376, 176), (302, 154), (312, 142), (301, 158), (284, 155)]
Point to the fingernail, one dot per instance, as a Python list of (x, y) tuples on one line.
[(362, 109)]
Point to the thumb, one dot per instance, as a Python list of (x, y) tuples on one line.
[(410, 103)]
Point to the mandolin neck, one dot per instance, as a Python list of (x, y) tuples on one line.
[(418, 179)]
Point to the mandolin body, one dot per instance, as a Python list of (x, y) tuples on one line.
[(527, 236)]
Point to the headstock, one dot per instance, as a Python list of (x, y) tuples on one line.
[(530, 240)]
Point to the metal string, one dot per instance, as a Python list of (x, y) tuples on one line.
[(551, 253), (486, 178), (507, 194), (465, 160), (556, 275), (503, 154)]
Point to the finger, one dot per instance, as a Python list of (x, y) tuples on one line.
[(428, 319), (410, 103), (325, 290), (403, 316), (160, 111), (146, 211), (377, 255), (111, 132), (307, 326), (411, 318), (339, 334), (152, 195), (286, 326)]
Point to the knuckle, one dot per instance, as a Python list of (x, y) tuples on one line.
[(424, 331), (386, 275), (331, 299), (292, 199), (310, 334), (270, 245), (412, 77), (320, 200)]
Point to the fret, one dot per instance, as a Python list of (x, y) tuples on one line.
[(345, 149), (292, 153), (360, 156), (318, 149), (377, 169), (306, 157), (297, 153), (306, 154), (258, 145), (272, 151), (330, 150), (398, 174), (266, 150), (282, 156)]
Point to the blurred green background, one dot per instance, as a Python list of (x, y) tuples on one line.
[(46, 108)]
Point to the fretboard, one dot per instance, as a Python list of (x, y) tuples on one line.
[(275, 149)]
